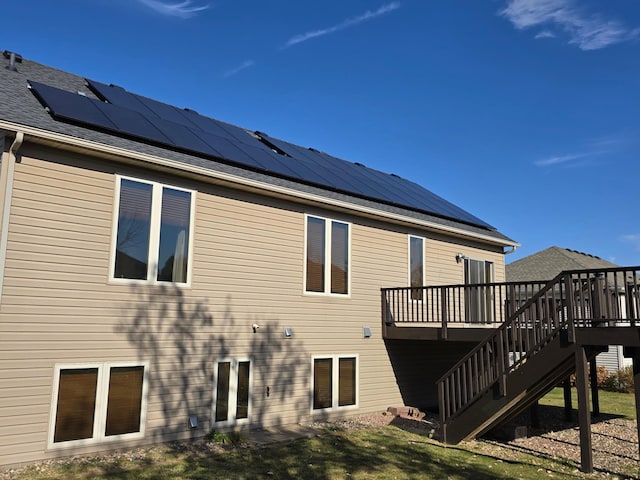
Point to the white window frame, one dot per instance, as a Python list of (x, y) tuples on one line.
[(424, 266), (154, 234), (100, 413), (335, 366), (327, 255), (233, 391)]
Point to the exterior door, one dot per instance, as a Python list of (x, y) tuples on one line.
[(478, 296)]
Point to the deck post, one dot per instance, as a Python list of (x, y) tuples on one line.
[(383, 308), (584, 415), (444, 306), (636, 389), (593, 378), (443, 411), (568, 408)]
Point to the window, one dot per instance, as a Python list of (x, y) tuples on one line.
[(98, 402), (232, 391), (335, 382), (416, 266), (153, 232), (327, 241)]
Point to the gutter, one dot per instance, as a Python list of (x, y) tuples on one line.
[(8, 173), (79, 144), (513, 249)]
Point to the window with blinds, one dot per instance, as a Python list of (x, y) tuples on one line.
[(97, 403), (416, 266), (327, 240), (334, 382), (322, 383), (346, 382), (232, 391), (154, 228), (124, 400), (76, 404)]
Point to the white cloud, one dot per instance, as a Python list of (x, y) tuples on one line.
[(587, 31), (545, 34), (183, 10), (349, 22), (244, 65), (633, 239), (545, 162)]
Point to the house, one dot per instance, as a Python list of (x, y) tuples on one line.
[(163, 274), (546, 265)]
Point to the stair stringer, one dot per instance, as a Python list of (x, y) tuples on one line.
[(524, 385)]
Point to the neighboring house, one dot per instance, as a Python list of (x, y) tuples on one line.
[(163, 273), (546, 265)]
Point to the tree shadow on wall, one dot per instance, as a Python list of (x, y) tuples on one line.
[(182, 338)]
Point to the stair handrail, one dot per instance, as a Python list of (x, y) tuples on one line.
[(490, 376)]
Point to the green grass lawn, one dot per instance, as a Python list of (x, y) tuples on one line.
[(388, 452), (620, 404), (374, 453)]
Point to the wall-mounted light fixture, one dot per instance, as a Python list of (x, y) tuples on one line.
[(459, 257), (288, 332), (255, 327), (193, 421), (366, 332)]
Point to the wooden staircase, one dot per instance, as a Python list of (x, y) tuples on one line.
[(535, 348)]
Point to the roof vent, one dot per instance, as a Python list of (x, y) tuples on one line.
[(13, 58), (359, 164)]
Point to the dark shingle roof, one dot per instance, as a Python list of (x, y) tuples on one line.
[(547, 264), (21, 107)]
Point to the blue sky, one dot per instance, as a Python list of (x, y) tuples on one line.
[(524, 112)]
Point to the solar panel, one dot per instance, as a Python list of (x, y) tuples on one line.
[(229, 151), (183, 136), (375, 184), (70, 106), (148, 107), (147, 119), (308, 166), (131, 122)]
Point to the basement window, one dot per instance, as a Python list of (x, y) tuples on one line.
[(98, 402), (335, 382)]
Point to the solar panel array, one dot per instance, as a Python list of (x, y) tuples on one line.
[(131, 115)]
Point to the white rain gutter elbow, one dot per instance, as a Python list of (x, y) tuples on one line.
[(513, 249)]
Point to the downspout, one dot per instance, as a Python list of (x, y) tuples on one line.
[(7, 186)]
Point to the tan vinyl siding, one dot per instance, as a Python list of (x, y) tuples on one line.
[(59, 307)]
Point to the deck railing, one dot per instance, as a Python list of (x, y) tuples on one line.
[(574, 299), (487, 303)]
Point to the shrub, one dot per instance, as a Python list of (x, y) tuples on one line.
[(602, 374), (224, 437), (620, 381)]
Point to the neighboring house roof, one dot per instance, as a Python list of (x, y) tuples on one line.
[(77, 108), (547, 264)]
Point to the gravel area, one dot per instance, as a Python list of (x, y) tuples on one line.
[(614, 442)]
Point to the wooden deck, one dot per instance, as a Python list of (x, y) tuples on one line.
[(528, 336)]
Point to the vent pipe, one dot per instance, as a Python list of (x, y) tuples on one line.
[(13, 58)]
